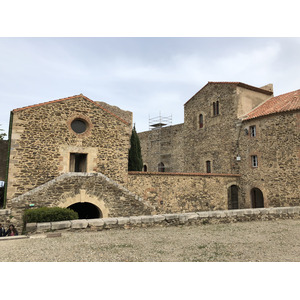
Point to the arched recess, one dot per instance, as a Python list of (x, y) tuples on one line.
[(87, 200), (233, 197), (257, 198), (86, 210)]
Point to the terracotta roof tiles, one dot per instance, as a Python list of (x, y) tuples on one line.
[(282, 103)]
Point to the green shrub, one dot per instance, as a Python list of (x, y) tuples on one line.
[(49, 214)]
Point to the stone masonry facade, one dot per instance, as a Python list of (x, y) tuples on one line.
[(216, 138), (237, 148)]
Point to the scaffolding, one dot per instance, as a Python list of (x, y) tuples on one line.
[(157, 138)]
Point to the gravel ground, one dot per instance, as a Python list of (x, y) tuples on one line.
[(250, 241)]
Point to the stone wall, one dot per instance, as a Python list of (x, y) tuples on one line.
[(277, 146), (112, 199), (5, 217), (3, 159), (181, 192), (42, 141), (163, 145), (217, 140), (193, 218)]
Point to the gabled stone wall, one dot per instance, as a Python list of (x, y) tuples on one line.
[(42, 140)]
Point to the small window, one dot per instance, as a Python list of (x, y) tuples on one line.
[(161, 167), (253, 131), (216, 108), (78, 162), (254, 161), (79, 126), (208, 166), (200, 121), (145, 168)]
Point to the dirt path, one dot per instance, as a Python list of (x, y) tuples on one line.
[(251, 241)]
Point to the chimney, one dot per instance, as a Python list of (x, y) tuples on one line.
[(268, 87)]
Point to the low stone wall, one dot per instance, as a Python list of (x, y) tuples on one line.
[(196, 218)]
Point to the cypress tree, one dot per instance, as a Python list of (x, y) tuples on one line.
[(135, 161), (2, 134)]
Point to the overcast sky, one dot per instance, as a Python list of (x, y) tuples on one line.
[(147, 76)]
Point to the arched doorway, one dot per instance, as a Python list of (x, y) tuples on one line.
[(86, 210), (257, 198), (233, 197)]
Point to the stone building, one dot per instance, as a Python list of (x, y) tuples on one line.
[(237, 148), (52, 144), (238, 129)]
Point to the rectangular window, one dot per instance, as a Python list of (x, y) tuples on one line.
[(208, 167), (254, 161), (253, 131), (216, 108), (78, 162)]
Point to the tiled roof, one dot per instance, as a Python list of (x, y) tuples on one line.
[(68, 98), (236, 83), (282, 103)]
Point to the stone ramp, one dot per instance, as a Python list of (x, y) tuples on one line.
[(110, 197)]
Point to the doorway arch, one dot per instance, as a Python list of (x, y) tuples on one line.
[(257, 198), (86, 210), (233, 197)]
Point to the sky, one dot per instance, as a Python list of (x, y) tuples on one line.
[(148, 76)]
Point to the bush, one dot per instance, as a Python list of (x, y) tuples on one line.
[(49, 214)]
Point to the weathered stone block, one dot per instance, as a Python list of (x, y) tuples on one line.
[(203, 214), (135, 220), (110, 221), (147, 219), (79, 224), (40, 227), (158, 218), (4, 212), (192, 216), (96, 222), (30, 227), (123, 221), (60, 225), (171, 217)]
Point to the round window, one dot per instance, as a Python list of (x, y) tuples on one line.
[(79, 126)]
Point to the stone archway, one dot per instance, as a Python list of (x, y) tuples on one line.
[(86, 210), (257, 198), (86, 204)]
